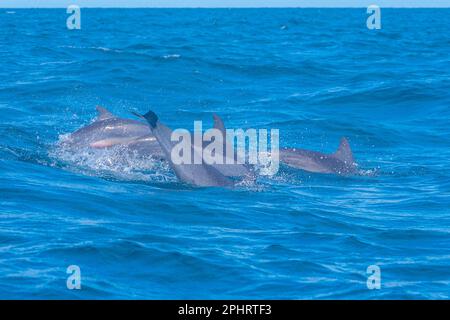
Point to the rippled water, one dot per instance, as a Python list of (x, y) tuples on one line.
[(315, 74)]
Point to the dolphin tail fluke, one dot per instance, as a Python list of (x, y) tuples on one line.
[(344, 153), (150, 117), (103, 113)]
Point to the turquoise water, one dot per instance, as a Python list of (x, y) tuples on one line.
[(317, 75)]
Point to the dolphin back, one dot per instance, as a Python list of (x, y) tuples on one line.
[(344, 153)]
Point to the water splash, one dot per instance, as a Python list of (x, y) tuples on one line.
[(117, 162)]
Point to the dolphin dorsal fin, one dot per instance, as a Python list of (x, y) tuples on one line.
[(218, 124), (344, 153), (103, 114)]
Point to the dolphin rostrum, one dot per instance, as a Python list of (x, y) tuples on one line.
[(341, 162), (203, 174)]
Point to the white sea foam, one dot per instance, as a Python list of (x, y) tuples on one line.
[(105, 49), (117, 162), (56, 62), (171, 56)]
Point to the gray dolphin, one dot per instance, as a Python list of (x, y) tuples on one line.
[(341, 162), (108, 130), (202, 175)]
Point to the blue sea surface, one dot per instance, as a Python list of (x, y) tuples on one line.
[(314, 74)]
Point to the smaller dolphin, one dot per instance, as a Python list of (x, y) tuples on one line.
[(108, 130), (202, 175), (341, 162)]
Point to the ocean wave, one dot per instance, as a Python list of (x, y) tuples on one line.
[(137, 232)]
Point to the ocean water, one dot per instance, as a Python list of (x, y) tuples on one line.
[(315, 74)]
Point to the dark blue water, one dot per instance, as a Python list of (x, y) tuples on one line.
[(316, 75)]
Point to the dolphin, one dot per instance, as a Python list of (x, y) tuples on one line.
[(202, 175), (108, 130), (341, 162)]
